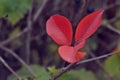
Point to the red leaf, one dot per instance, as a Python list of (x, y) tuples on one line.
[(79, 45), (80, 56), (59, 29), (68, 54), (88, 25)]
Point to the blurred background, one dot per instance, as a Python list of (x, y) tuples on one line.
[(23, 39)]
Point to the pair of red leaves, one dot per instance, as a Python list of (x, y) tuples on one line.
[(60, 30)]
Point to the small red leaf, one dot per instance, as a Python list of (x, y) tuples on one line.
[(79, 45), (59, 29), (68, 54), (88, 25), (80, 55)]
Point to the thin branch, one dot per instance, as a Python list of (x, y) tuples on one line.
[(97, 58), (28, 38), (81, 62), (114, 19), (81, 12), (10, 69), (19, 59), (13, 38), (40, 10), (110, 6), (109, 26), (99, 63), (62, 72)]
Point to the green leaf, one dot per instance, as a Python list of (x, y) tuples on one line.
[(112, 64), (53, 70), (38, 70), (78, 75), (14, 32), (15, 9), (117, 24), (52, 48), (43, 77)]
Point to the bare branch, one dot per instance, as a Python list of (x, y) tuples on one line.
[(39, 10), (114, 19), (97, 58), (109, 26), (62, 72), (81, 62), (99, 63), (13, 38), (10, 69), (28, 38), (19, 59), (110, 6)]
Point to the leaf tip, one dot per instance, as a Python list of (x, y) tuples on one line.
[(100, 11)]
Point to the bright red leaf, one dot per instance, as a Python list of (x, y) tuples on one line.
[(59, 29), (79, 56), (88, 25), (79, 45), (69, 54)]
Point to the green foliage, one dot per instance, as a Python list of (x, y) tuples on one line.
[(52, 48), (14, 32), (42, 77), (112, 65), (41, 74), (78, 75), (39, 71), (15, 9), (81, 74), (53, 52), (16, 42), (53, 70), (117, 24)]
